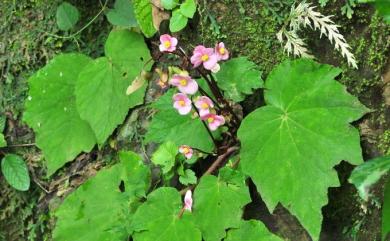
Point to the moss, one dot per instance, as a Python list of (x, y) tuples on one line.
[(384, 143)]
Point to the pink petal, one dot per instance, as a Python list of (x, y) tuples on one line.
[(203, 112), (191, 87), (196, 60), (174, 41), (184, 110), (211, 62), (165, 37), (188, 201), (162, 47)]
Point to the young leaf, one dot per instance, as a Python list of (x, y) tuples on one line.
[(188, 8), (168, 125), (122, 14), (51, 111), (189, 177), (169, 4), (67, 16), (15, 172), (3, 143), (299, 136), (158, 218), (101, 88), (386, 212), (252, 230), (165, 156), (143, 13), (368, 173), (238, 77), (99, 210), (218, 204), (178, 21)]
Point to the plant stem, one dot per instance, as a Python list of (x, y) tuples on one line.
[(214, 166), (205, 125)]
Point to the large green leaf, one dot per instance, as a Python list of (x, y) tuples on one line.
[(143, 13), (383, 7), (386, 212), (238, 77), (218, 204), (159, 218), (15, 172), (67, 16), (290, 146), (188, 8), (168, 125), (368, 173), (51, 111), (122, 14), (165, 156), (251, 231), (99, 210), (101, 88)]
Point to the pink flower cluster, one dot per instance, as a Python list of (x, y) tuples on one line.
[(208, 57)]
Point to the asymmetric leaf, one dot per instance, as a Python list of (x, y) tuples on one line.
[(99, 210), (51, 111), (238, 77), (188, 8), (251, 230), (178, 21), (101, 89), (67, 16), (218, 204), (122, 14), (168, 125), (165, 156), (368, 173), (15, 172), (169, 4), (158, 218), (298, 137), (143, 13)]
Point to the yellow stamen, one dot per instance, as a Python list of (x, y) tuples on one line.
[(183, 82), (186, 150), (167, 44), (205, 57), (210, 119), (182, 102), (204, 105), (222, 51)]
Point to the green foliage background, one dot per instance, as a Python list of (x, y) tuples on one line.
[(28, 47)]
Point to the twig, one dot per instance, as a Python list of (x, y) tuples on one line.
[(205, 125), (22, 145)]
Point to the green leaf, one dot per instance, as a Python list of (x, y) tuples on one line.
[(98, 210), (252, 230), (219, 204), (188, 8), (165, 156), (67, 16), (101, 88), (368, 173), (169, 4), (386, 212), (158, 218), (178, 21), (122, 14), (383, 7), (168, 125), (189, 177), (238, 77), (304, 126), (143, 13), (3, 143), (51, 111), (15, 172)]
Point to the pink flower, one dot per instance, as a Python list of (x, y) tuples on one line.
[(204, 104), (186, 151), (185, 84), (213, 120), (168, 43), (221, 51), (182, 103), (188, 201), (204, 55)]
